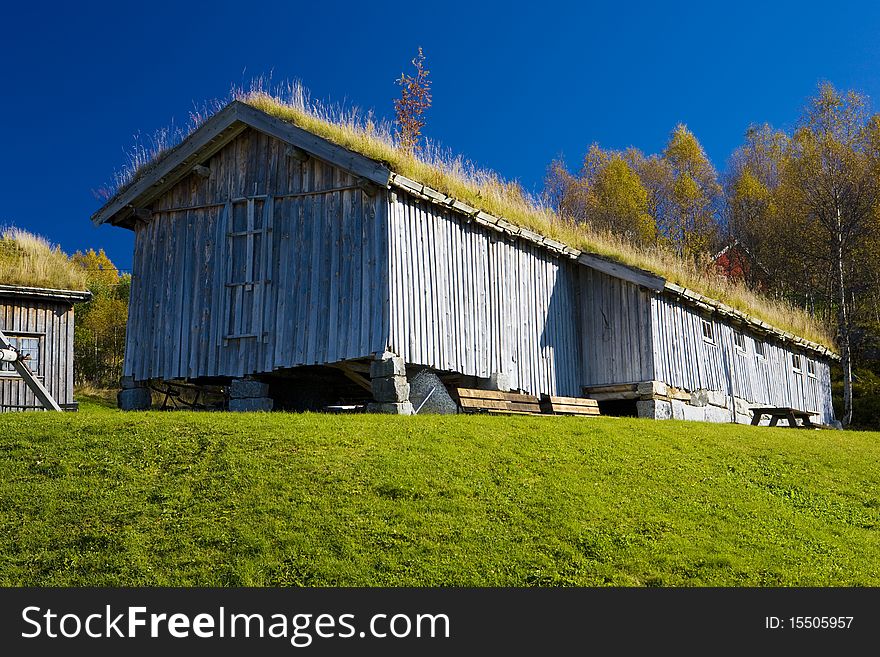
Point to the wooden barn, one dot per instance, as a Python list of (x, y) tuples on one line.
[(38, 324), (298, 273)]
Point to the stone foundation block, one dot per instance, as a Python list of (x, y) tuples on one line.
[(394, 366), (247, 388), (654, 408), (250, 404), (717, 414), (391, 408), (134, 399), (390, 389), (700, 398), (717, 398), (652, 388), (742, 407), (697, 413), (743, 419)]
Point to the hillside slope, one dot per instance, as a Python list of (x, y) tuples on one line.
[(105, 498)]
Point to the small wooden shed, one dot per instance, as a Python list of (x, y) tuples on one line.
[(38, 322), (275, 262)]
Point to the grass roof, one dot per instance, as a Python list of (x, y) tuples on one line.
[(29, 260), (485, 190)]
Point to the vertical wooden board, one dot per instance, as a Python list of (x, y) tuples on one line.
[(164, 251), (268, 307), (367, 266), (311, 330), (426, 292), (187, 266), (279, 312), (417, 325), (380, 288), (335, 237), (352, 248), (395, 278), (307, 278), (69, 354), (303, 278), (325, 273), (407, 345), (200, 328)]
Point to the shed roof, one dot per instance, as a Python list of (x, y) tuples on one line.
[(70, 296), (232, 120)]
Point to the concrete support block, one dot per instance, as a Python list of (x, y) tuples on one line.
[(393, 389), (391, 408), (501, 381), (657, 409), (249, 404), (134, 399), (393, 366), (248, 389)]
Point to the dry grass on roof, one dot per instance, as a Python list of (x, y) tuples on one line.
[(29, 260), (459, 178)]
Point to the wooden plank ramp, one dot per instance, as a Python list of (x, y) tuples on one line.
[(494, 401), (569, 405)]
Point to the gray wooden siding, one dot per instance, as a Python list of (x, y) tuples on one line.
[(267, 263), (467, 299), (685, 360), (616, 338), (53, 323)]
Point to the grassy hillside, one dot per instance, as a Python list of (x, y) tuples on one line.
[(105, 498)]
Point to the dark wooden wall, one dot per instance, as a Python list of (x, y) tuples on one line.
[(616, 340)]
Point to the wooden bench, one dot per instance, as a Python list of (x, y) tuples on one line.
[(569, 405), (777, 413), (494, 401)]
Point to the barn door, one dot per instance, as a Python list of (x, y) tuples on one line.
[(248, 257)]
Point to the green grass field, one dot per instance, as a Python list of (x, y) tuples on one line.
[(106, 498)]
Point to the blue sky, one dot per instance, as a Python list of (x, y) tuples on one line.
[(514, 85)]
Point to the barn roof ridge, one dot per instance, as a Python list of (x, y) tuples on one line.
[(221, 128)]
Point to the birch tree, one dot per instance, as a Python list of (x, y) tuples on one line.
[(831, 190)]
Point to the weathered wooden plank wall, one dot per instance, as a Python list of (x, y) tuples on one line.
[(685, 360), (268, 262), (616, 342), (467, 299), (53, 324)]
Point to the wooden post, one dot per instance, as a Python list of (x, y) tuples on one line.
[(25, 373)]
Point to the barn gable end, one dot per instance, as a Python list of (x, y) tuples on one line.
[(264, 259)]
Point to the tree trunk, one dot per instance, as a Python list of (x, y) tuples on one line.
[(843, 327)]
